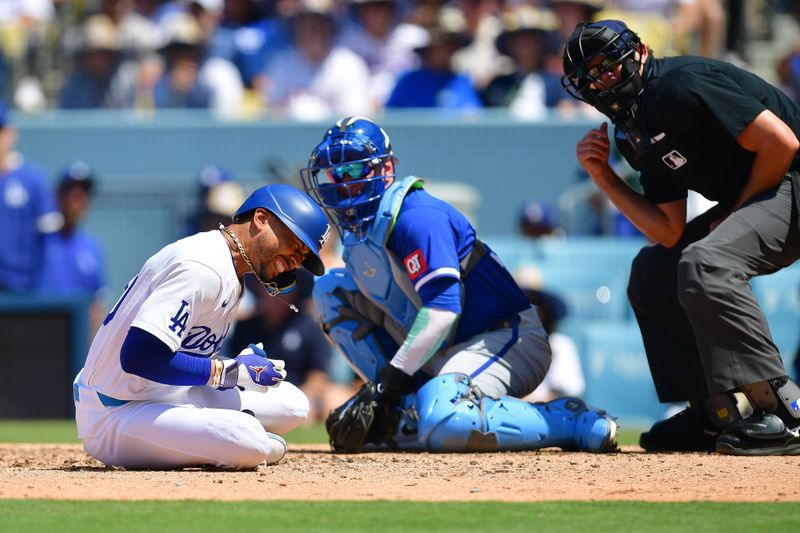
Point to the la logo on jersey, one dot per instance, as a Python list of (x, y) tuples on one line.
[(199, 338), (415, 264), (179, 321)]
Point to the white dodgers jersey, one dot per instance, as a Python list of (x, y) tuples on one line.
[(186, 295)]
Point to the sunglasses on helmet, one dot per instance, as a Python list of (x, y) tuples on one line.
[(355, 171)]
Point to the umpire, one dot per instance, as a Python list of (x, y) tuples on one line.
[(690, 123)]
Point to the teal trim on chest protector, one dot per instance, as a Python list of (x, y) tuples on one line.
[(389, 208), (370, 263)]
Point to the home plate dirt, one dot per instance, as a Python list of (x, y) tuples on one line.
[(312, 472)]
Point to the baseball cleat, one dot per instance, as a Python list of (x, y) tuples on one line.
[(683, 432), (761, 434), (277, 449)]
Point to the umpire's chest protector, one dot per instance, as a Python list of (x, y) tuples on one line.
[(378, 274)]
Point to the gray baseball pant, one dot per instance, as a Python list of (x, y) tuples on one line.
[(703, 330)]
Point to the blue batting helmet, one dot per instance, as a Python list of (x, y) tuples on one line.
[(346, 172), (300, 214)]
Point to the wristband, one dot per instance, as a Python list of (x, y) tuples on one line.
[(216, 373)]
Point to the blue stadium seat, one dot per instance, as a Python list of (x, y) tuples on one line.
[(589, 292), (601, 253), (779, 296), (616, 371), (515, 251), (590, 273)]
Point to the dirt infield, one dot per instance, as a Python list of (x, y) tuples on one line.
[(311, 472)]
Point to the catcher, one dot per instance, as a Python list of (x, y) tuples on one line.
[(429, 317)]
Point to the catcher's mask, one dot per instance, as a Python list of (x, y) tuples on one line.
[(347, 173), (595, 49)]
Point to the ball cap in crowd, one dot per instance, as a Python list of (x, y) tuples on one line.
[(299, 213), (77, 174), (536, 213), (212, 175)]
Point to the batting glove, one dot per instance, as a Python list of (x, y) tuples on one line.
[(252, 370)]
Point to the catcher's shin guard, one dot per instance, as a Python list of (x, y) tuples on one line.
[(356, 337), (572, 425), (454, 416)]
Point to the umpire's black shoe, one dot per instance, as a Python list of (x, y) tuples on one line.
[(683, 432), (761, 434)]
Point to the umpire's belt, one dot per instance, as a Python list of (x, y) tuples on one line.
[(107, 401), (508, 322)]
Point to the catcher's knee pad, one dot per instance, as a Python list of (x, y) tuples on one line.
[(454, 416), (356, 337), (574, 426)]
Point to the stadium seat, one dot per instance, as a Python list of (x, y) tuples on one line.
[(779, 296), (616, 371)]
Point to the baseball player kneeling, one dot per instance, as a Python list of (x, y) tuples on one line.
[(153, 393), (429, 317)]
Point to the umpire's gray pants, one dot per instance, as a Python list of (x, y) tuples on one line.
[(703, 330)]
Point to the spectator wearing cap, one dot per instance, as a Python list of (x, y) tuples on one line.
[(316, 78), (138, 35), (27, 214), (529, 90), (248, 37), (435, 84), (480, 59), (568, 13), (219, 195), (185, 77), (385, 42), (74, 260), (89, 82), (538, 219)]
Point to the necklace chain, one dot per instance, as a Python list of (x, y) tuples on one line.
[(271, 286)]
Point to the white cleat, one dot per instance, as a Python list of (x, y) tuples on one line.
[(277, 449)]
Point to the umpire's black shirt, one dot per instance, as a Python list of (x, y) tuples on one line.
[(693, 109)]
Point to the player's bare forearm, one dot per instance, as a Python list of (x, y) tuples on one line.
[(663, 223), (774, 145)]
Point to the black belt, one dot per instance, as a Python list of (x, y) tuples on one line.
[(508, 322)]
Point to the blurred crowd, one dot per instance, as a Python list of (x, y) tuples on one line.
[(316, 59)]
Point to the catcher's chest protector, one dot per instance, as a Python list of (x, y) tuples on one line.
[(378, 274)]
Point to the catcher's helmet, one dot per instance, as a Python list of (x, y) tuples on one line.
[(300, 214), (616, 44), (346, 173)]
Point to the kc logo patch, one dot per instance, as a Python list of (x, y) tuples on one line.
[(415, 264), (674, 160)]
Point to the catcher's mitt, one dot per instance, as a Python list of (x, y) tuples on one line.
[(362, 419)]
